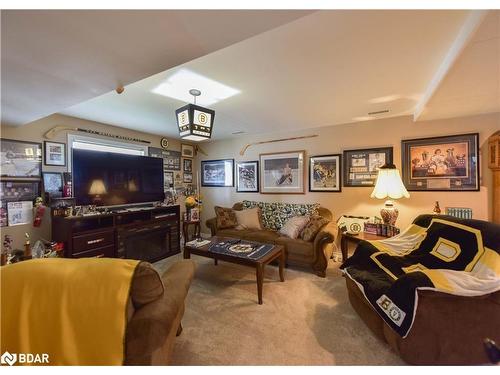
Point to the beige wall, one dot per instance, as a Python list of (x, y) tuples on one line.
[(357, 201), (331, 140), (34, 132)]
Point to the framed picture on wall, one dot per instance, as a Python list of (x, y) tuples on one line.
[(282, 172), (55, 153), (448, 163), (247, 177), (53, 184), (361, 166), (171, 159), (187, 165), (168, 179), (187, 151), (324, 173), (188, 178), (19, 190), (20, 159), (19, 213), (217, 172)]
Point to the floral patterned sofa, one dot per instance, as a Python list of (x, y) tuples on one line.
[(312, 254)]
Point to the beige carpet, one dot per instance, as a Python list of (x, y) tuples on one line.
[(306, 320)]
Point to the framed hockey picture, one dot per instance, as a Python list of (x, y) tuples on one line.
[(282, 172), (448, 163), (247, 177), (324, 173)]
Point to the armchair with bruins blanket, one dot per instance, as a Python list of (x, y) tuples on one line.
[(432, 292)]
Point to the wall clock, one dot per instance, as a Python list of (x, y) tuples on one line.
[(164, 143)]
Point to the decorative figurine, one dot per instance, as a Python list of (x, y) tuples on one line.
[(437, 209)]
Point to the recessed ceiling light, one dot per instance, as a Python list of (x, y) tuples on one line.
[(177, 86)]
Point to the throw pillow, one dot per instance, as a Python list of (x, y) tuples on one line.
[(275, 214), (313, 227), (294, 226), (226, 217), (249, 218)]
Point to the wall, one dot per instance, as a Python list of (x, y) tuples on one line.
[(353, 200), (34, 132)]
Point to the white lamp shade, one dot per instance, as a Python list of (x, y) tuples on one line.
[(97, 188), (389, 185)]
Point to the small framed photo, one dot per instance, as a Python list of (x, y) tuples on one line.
[(178, 180), (187, 151), (20, 160), (53, 184), (361, 166), (188, 178), (217, 173), (195, 214), (282, 172), (168, 179), (187, 165), (324, 173), (247, 177), (55, 153), (448, 163)]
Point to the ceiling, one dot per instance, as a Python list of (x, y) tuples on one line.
[(472, 85), (294, 71), (54, 59)]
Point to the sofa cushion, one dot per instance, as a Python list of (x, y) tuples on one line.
[(275, 214), (249, 218), (147, 285), (313, 227), (226, 218), (294, 226)]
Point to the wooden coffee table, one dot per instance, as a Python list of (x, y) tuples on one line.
[(278, 252)]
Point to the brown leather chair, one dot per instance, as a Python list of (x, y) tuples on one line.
[(155, 312), (447, 329)]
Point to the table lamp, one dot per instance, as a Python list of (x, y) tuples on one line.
[(97, 188), (389, 185)]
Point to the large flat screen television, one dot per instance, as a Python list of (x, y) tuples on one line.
[(111, 179)]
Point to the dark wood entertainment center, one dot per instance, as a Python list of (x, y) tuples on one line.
[(148, 234)]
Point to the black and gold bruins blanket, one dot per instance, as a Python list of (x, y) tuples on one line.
[(449, 255)]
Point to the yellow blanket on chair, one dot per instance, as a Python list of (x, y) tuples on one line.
[(74, 310)]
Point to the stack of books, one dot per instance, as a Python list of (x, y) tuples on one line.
[(384, 230)]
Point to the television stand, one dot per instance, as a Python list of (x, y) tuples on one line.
[(147, 233)]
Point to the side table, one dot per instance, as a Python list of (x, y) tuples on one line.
[(185, 229), (362, 236)]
